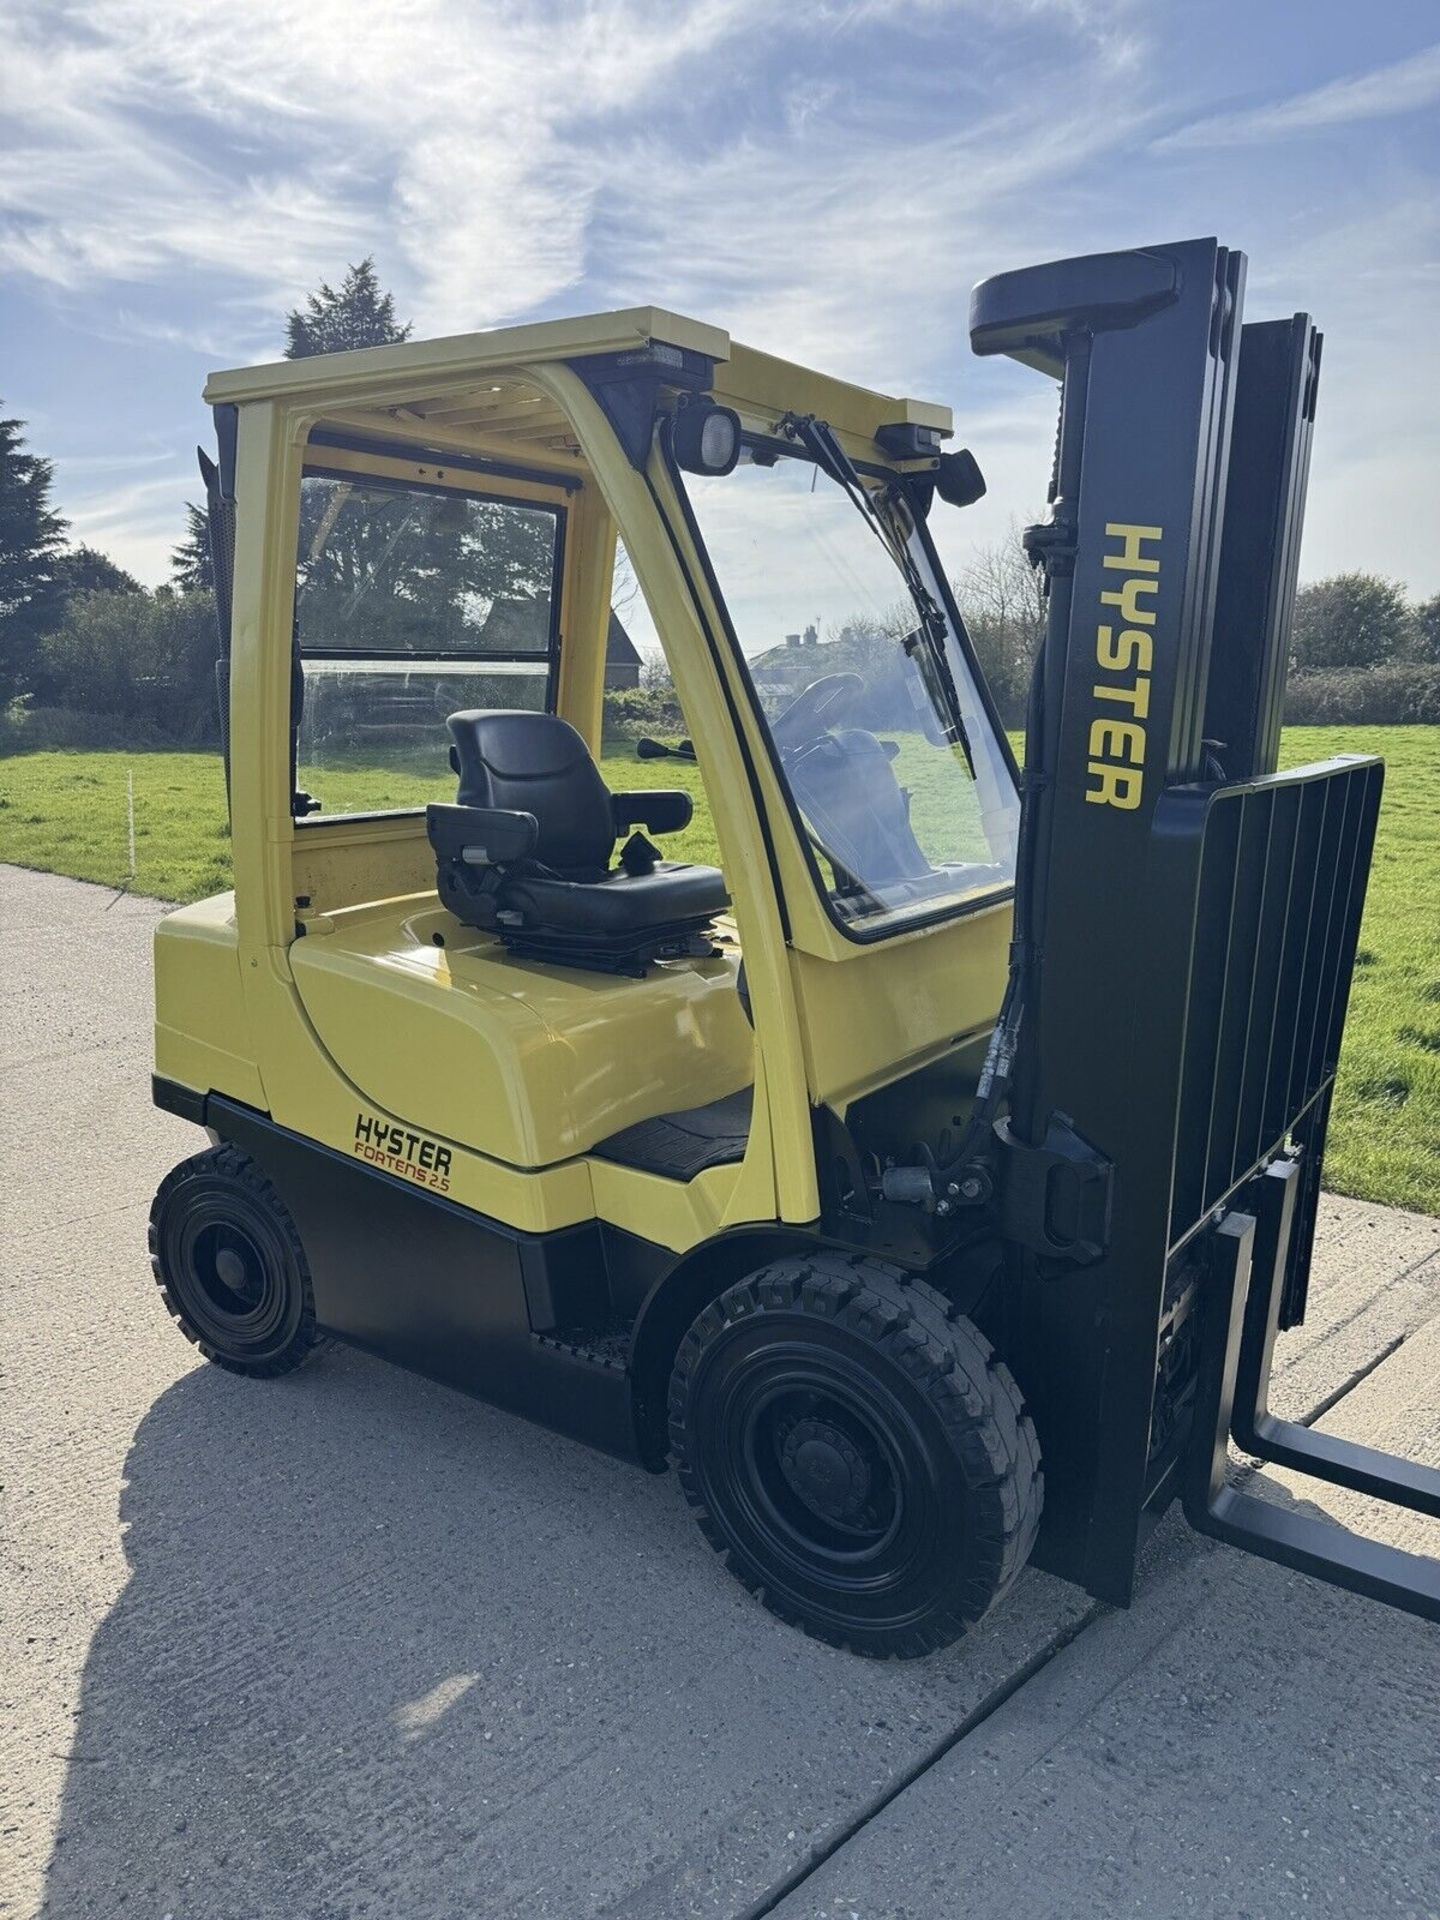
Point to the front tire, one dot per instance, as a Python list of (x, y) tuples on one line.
[(230, 1266), (857, 1452)]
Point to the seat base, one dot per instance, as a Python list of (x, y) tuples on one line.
[(628, 953), (609, 922), (526, 852)]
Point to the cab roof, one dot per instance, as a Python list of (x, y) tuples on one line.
[(444, 382)]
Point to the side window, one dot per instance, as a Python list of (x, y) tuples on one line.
[(641, 704), (412, 602)]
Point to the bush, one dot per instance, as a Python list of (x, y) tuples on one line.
[(1393, 696), (144, 662), (29, 729), (630, 712), (1351, 620)]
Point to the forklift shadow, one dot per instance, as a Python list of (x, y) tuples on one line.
[(386, 1650), (364, 1616)]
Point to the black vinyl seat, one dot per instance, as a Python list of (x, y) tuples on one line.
[(528, 850)]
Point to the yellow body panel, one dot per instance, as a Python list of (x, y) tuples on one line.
[(413, 369), (524, 1062), (511, 1071), (762, 388), (202, 1030), (345, 863), (920, 992), (197, 969)]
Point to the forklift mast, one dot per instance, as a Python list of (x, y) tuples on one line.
[(1186, 924)]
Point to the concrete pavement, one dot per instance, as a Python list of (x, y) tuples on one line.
[(1242, 1742), (349, 1644)]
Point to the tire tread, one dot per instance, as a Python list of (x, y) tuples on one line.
[(950, 1361), (230, 1163)]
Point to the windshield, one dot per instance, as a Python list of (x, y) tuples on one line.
[(900, 782)]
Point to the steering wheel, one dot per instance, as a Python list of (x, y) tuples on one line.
[(814, 709)]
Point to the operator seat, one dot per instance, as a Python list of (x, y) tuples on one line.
[(527, 852)]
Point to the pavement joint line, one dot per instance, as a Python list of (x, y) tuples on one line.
[(65, 1053), (1057, 1680), (1363, 1307), (977, 1717), (1355, 1379)]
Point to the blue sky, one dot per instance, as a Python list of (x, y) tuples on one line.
[(826, 179)]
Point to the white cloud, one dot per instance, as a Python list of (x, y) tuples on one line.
[(858, 254), (1404, 86), (266, 142), (138, 523), (1372, 275), (827, 181), (263, 140), (118, 462)]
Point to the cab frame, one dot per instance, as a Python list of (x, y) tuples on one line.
[(560, 414)]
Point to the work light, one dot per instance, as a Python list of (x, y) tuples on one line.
[(958, 479), (706, 438)]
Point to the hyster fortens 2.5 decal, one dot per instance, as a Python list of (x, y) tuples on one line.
[(397, 1150)]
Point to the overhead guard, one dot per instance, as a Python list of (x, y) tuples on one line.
[(1027, 313)]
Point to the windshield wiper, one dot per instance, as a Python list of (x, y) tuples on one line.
[(926, 644)]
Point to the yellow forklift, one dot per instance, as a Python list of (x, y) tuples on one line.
[(926, 1173)]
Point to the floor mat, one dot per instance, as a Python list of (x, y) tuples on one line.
[(680, 1145)]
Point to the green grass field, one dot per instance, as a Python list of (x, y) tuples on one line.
[(66, 813)]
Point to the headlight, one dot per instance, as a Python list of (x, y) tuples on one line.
[(706, 438)]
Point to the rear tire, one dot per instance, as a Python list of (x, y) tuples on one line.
[(230, 1266), (856, 1451)]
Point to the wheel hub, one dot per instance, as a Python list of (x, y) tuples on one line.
[(230, 1271), (230, 1266), (825, 1470)]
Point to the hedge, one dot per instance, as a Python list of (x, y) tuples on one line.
[(30, 729), (1391, 696)]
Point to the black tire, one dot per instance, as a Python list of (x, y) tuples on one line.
[(854, 1448), (230, 1266)]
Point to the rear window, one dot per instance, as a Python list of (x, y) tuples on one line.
[(411, 603)]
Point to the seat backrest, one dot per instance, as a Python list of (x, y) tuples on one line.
[(537, 763)]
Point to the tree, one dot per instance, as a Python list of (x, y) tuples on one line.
[(1002, 599), (623, 585), (86, 570), (1350, 620), (147, 661), (190, 568), (1427, 631), (31, 537), (360, 314), (655, 675), (421, 573), (415, 573)]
